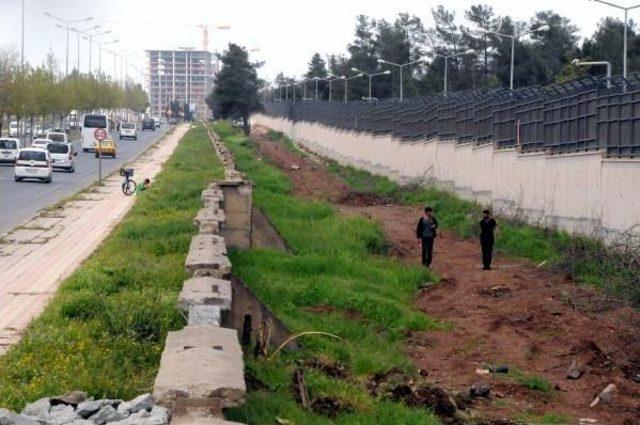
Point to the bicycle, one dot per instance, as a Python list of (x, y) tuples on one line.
[(129, 185)]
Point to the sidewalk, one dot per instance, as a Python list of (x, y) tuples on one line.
[(37, 256)]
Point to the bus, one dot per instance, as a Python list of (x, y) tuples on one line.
[(91, 122)]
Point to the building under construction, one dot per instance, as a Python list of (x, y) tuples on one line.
[(184, 76)]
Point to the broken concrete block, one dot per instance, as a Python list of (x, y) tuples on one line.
[(204, 315), (205, 290), (209, 220), (208, 257), (201, 366)]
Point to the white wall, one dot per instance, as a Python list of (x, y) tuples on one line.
[(582, 192)]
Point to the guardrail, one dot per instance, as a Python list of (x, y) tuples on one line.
[(579, 115)]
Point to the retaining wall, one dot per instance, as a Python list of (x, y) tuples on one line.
[(201, 370), (581, 192)]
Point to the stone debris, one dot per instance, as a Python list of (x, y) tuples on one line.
[(75, 409), (605, 396), (574, 371)]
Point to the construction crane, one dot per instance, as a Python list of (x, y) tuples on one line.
[(205, 34)]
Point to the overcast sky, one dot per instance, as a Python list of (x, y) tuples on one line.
[(286, 32)]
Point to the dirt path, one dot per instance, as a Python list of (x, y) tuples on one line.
[(36, 257), (528, 318)]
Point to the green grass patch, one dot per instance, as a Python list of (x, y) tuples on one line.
[(546, 419), (336, 281), (104, 330)]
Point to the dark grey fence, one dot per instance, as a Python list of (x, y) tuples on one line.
[(580, 115)]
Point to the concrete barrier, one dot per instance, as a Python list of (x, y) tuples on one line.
[(201, 367), (208, 257)]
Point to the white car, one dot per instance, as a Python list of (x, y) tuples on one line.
[(13, 129), (9, 149), (41, 143), (128, 130), (33, 163), (57, 136), (62, 156)]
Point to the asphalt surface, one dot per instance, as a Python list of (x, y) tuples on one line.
[(20, 201)]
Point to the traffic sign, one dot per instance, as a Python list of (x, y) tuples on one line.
[(100, 134)]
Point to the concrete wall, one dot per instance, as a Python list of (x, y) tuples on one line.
[(582, 192)]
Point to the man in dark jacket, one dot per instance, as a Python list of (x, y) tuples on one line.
[(426, 234), (487, 227)]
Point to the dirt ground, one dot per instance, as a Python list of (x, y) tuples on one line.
[(527, 317)]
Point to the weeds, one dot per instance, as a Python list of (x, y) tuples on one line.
[(104, 330)]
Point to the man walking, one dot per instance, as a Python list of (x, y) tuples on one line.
[(487, 226), (426, 233)]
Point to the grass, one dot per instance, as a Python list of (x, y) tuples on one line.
[(546, 419), (104, 330), (336, 282)]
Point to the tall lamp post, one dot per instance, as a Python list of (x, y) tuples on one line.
[(89, 36), (513, 38), (401, 67), (446, 64), (578, 62), (331, 78), (79, 33), (626, 20), (346, 82), (66, 27), (387, 72), (104, 43)]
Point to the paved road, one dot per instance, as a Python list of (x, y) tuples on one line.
[(20, 201)]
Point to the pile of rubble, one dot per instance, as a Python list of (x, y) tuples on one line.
[(75, 408)]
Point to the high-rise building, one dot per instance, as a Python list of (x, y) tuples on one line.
[(184, 76)]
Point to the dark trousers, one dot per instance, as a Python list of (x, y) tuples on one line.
[(427, 251), (487, 252)]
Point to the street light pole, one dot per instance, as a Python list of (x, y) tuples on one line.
[(513, 38), (346, 82), (66, 27), (578, 62), (22, 39), (626, 24), (446, 65), (387, 72), (401, 67)]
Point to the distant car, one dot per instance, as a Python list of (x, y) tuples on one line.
[(33, 163), (9, 149), (156, 121), (62, 156), (57, 136), (106, 147), (148, 124), (13, 129), (128, 130), (41, 143)]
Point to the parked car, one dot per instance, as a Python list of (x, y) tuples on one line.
[(156, 121), (9, 149), (106, 147), (128, 130), (62, 156), (33, 163), (148, 124), (57, 136), (41, 143)]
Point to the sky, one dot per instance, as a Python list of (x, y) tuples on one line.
[(282, 33)]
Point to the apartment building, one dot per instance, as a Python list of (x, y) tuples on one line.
[(185, 76)]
